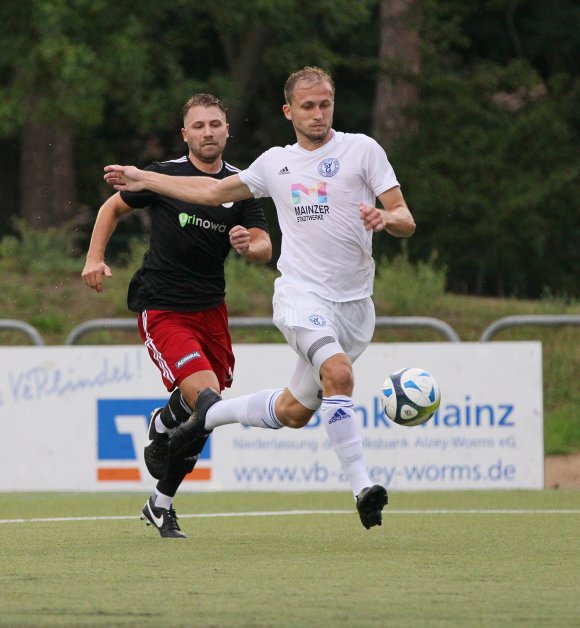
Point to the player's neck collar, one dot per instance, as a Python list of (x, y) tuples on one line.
[(208, 169)]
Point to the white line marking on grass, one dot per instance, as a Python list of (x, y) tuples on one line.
[(487, 511), (387, 512), (287, 513)]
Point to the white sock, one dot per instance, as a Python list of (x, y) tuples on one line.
[(343, 432), (162, 501), (255, 410)]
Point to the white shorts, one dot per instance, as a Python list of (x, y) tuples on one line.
[(317, 329)]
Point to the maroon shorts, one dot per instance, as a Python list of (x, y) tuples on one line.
[(183, 343)]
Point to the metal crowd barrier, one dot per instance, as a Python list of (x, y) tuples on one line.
[(419, 321), (25, 328), (257, 322), (551, 320), (130, 324)]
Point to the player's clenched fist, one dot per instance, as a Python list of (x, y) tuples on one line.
[(240, 239), (372, 217)]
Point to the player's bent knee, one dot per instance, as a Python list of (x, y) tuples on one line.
[(337, 376)]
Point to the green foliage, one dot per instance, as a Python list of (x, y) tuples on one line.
[(562, 430), (493, 180), (39, 251), (67, 62), (403, 288), (132, 259), (249, 287), (48, 322), (492, 174)]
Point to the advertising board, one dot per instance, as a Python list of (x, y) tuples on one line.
[(75, 418)]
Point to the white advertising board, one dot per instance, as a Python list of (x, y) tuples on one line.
[(75, 418)]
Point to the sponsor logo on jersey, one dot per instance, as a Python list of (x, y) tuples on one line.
[(329, 167), (315, 193), (122, 426), (310, 203), (186, 358), (191, 219), (285, 170), (317, 320)]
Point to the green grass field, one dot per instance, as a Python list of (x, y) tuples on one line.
[(292, 559)]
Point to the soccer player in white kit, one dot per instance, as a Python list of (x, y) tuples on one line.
[(324, 188)]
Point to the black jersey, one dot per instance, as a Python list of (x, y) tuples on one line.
[(183, 270)]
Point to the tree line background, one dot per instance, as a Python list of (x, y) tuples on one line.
[(476, 103)]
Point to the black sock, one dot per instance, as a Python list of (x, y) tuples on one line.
[(178, 469), (176, 411)]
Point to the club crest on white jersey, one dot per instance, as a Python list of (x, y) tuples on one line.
[(329, 167)]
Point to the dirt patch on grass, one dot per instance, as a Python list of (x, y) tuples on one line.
[(563, 471)]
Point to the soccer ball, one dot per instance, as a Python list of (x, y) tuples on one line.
[(410, 396)]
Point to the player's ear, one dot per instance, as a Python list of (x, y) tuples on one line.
[(183, 135), (287, 111)]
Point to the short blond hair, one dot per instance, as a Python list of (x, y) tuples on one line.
[(204, 100), (310, 73)]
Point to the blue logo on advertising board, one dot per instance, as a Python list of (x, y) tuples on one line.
[(121, 427)]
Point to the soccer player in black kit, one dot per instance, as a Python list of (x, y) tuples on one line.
[(179, 291)]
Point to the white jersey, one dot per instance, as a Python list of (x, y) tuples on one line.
[(325, 247)]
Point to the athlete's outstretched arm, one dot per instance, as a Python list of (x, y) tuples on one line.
[(202, 190)]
